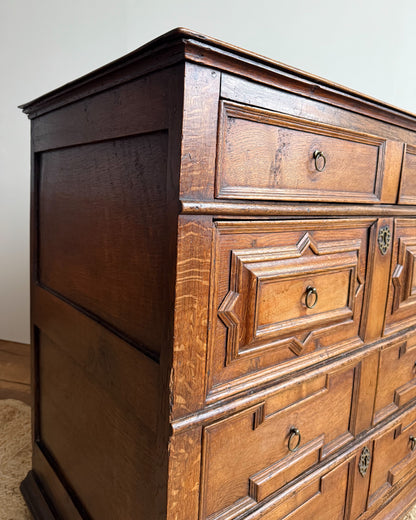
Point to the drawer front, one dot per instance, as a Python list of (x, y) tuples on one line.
[(253, 454), (322, 498), (401, 304), (408, 179), (396, 385), (267, 155), (394, 457), (283, 291)]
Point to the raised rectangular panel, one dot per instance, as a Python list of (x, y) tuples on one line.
[(394, 457), (396, 384), (87, 419), (401, 304), (105, 252), (282, 292), (267, 155), (248, 456), (408, 179)]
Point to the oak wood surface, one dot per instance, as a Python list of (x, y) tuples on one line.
[(114, 245), (187, 334), (229, 470), (401, 303), (263, 155), (396, 377), (282, 334)]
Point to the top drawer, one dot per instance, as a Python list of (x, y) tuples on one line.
[(408, 180), (272, 156)]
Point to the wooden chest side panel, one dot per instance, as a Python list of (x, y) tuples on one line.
[(102, 243), (109, 441), (138, 106), (97, 414)]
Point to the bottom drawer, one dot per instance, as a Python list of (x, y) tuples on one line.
[(322, 497), (252, 455), (394, 457)]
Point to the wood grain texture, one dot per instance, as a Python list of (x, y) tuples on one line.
[(264, 211), (191, 306), (107, 115), (231, 466), (187, 334), (408, 183), (265, 155), (184, 473), (114, 245), (68, 422), (393, 458), (256, 329), (199, 131), (241, 89), (377, 288), (401, 303), (62, 502), (396, 377)]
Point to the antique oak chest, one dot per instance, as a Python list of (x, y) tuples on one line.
[(223, 293)]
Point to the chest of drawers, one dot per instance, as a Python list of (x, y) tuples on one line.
[(223, 293)]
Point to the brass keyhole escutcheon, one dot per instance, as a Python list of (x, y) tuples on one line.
[(364, 462), (384, 239), (311, 297), (294, 434), (320, 160), (412, 440)]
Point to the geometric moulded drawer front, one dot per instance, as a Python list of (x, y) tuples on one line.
[(284, 291), (401, 304), (250, 456), (268, 155), (394, 457), (396, 382)]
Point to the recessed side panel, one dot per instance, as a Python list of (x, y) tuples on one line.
[(91, 426), (102, 233)]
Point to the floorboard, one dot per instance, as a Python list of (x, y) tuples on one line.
[(14, 371)]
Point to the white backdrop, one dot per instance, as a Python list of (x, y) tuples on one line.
[(368, 45)]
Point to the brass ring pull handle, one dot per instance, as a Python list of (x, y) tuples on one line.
[(294, 433), (412, 440), (319, 155), (311, 292)]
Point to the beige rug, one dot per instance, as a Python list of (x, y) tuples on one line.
[(15, 454)]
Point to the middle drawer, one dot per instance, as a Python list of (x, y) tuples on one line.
[(285, 294)]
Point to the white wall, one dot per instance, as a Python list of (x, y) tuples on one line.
[(369, 45)]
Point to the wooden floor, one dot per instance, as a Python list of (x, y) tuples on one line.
[(14, 371)]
